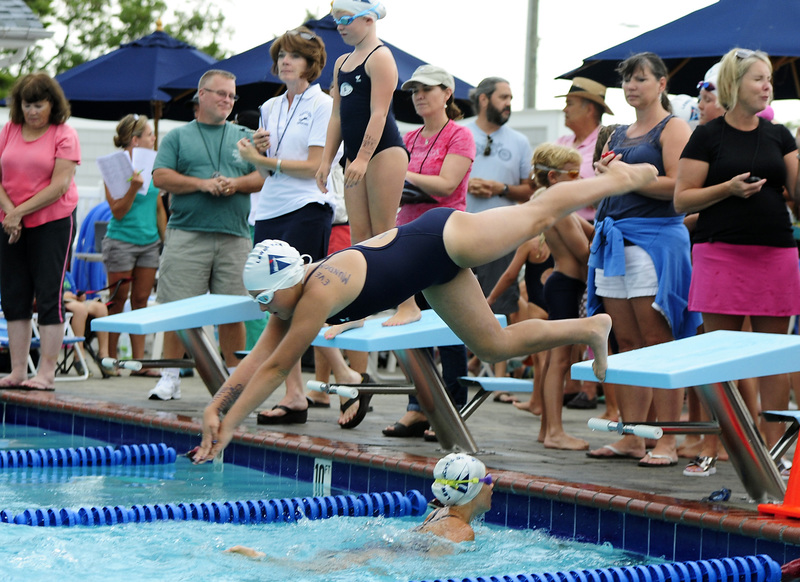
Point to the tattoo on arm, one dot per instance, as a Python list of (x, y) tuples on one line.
[(368, 144), (226, 396)]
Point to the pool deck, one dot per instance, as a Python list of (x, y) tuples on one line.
[(507, 438)]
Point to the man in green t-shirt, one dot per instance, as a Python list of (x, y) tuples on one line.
[(207, 239)]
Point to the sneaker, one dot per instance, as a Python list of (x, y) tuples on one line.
[(167, 388)]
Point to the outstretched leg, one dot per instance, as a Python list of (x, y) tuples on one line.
[(476, 239), (462, 306)]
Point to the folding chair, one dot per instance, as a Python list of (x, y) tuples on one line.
[(70, 354)]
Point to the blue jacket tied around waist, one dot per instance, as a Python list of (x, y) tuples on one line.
[(666, 240)]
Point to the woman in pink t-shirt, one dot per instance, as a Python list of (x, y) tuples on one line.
[(38, 156), (441, 153)]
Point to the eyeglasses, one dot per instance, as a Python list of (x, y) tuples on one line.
[(707, 86), (223, 94), (487, 151), (349, 19), (302, 34), (571, 173), (453, 482)]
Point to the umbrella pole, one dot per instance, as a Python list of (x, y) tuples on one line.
[(158, 110)]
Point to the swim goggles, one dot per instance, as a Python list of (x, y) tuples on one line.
[(454, 482), (349, 19), (265, 297)]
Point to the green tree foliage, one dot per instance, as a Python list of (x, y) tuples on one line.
[(87, 29)]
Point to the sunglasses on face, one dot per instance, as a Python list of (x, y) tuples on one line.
[(223, 94), (487, 151), (453, 482), (571, 173), (350, 18)]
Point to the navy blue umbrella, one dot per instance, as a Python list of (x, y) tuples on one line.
[(690, 45), (127, 80), (255, 84)]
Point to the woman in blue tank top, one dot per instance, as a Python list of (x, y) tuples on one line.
[(433, 254), (639, 266), (375, 158)]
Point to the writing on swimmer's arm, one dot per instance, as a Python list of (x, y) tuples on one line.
[(343, 276), (227, 395)]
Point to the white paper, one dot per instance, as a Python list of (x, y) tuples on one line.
[(117, 170), (143, 160)]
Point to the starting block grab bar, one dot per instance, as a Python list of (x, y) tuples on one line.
[(654, 430)]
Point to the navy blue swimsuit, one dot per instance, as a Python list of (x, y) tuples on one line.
[(355, 90), (411, 262)]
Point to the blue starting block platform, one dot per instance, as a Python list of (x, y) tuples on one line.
[(410, 344), (711, 362), (187, 318)]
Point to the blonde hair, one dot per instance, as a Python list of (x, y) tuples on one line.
[(549, 155), (130, 126), (732, 69)]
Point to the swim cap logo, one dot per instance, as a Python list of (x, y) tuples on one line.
[(276, 264), (345, 89)]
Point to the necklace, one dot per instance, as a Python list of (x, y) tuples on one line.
[(435, 139), (216, 173), (288, 121)]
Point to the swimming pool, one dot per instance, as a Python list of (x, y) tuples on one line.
[(338, 548), (648, 525)]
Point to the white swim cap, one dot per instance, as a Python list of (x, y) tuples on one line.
[(358, 6), (709, 82), (273, 265), (686, 108), (457, 479)]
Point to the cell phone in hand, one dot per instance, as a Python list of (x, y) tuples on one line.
[(752, 180)]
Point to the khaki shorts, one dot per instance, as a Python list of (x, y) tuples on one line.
[(194, 263), (120, 256)]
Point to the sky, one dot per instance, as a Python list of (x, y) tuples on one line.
[(475, 39)]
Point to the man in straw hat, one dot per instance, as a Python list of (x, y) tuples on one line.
[(583, 115)]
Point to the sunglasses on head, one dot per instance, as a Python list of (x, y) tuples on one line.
[(453, 482), (570, 173), (302, 34), (744, 53), (487, 151), (350, 18)]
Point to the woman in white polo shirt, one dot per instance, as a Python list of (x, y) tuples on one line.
[(287, 149)]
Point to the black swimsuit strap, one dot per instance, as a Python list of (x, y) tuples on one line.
[(362, 62)]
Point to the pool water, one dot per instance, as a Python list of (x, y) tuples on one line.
[(339, 548)]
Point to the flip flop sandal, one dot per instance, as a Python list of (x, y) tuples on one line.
[(413, 430), (705, 466), (291, 416), (363, 408)]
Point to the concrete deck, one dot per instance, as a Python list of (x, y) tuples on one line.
[(507, 437)]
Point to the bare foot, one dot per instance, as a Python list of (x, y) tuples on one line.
[(405, 314), (611, 414), (529, 406), (565, 442), (318, 398), (334, 330), (245, 551), (600, 327)]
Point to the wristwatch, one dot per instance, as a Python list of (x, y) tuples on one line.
[(505, 190)]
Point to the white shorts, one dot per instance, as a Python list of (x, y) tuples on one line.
[(639, 280)]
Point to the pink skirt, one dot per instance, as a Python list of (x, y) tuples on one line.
[(745, 280)]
